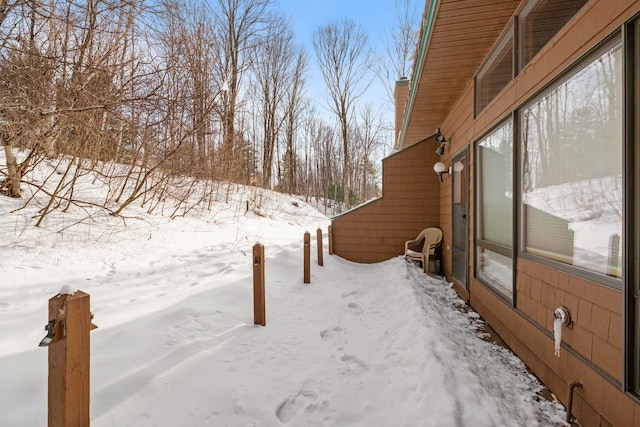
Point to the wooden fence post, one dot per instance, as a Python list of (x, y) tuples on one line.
[(330, 241), (307, 257), (320, 254), (613, 262), (259, 312), (69, 352)]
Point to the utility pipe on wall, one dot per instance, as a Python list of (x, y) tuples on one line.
[(572, 386)]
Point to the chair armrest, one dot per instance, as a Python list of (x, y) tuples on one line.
[(410, 243)]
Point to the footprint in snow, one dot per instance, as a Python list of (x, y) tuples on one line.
[(354, 364), (329, 333), (111, 269), (295, 404), (354, 308), (348, 294)]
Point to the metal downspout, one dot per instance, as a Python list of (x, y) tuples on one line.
[(572, 386)]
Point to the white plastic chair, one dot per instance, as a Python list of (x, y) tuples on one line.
[(432, 238)]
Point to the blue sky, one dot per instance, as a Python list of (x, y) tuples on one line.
[(307, 15), (375, 16)]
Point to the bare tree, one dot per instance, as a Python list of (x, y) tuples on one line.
[(342, 53), (239, 26), (148, 98), (189, 48), (369, 130), (399, 44), (295, 104), (65, 82), (272, 71)]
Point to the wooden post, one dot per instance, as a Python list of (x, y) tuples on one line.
[(69, 351), (320, 254), (259, 312), (330, 241), (613, 262), (307, 257)]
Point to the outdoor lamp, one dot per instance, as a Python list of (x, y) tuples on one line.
[(440, 139), (440, 169)]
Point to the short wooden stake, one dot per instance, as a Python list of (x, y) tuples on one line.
[(613, 260), (307, 257), (320, 254), (330, 241), (69, 351), (259, 312)]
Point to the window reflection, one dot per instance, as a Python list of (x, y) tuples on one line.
[(495, 209), (572, 168)]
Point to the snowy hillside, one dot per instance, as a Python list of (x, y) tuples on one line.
[(362, 345)]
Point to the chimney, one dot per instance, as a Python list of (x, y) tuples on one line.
[(400, 94)]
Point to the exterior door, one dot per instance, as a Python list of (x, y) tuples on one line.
[(460, 220)]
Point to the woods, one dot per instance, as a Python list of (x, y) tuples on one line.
[(150, 95)]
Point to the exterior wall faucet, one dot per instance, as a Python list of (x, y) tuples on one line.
[(562, 314), (561, 317)]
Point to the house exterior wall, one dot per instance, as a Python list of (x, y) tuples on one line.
[(377, 230), (592, 349)]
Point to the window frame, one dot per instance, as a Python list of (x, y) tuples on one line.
[(631, 268)]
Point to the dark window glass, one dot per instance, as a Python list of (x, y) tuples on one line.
[(540, 20), (496, 73), (495, 210)]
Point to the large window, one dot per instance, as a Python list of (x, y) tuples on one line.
[(572, 144), (494, 238)]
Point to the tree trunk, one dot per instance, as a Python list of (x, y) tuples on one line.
[(11, 184), (345, 166)]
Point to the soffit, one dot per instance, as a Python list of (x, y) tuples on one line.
[(463, 33)]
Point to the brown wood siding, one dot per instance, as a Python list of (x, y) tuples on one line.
[(410, 202), (593, 349), (596, 335), (596, 339)]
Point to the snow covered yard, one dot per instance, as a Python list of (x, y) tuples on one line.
[(362, 345)]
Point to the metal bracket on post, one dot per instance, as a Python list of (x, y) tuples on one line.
[(51, 334)]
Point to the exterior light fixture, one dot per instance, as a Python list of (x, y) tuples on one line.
[(440, 169), (440, 139)]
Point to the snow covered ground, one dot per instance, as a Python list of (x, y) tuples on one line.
[(362, 345)]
